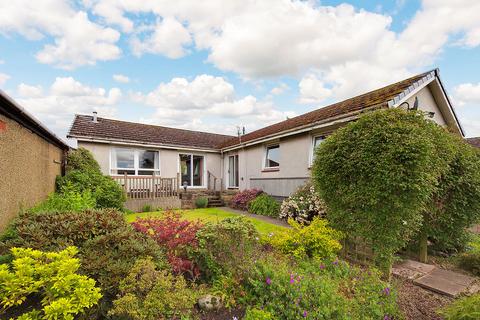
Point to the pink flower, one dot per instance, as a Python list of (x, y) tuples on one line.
[(268, 281)]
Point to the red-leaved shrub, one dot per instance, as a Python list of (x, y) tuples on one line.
[(241, 199), (177, 236)]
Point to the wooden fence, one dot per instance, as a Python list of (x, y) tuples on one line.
[(358, 250), (151, 187)]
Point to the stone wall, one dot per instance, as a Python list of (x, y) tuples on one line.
[(137, 205)]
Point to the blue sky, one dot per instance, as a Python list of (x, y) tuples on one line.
[(214, 65)]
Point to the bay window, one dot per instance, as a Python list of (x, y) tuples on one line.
[(134, 162)]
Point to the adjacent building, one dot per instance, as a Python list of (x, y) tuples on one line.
[(31, 157)]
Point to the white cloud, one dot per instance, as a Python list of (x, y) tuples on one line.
[(3, 78), (313, 90), (467, 94), (64, 98), (121, 78), (207, 103), (28, 91), (281, 88), (77, 40), (169, 38), (347, 50)]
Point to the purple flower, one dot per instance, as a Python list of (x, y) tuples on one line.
[(386, 291), (322, 266), (386, 317), (305, 313), (268, 281)]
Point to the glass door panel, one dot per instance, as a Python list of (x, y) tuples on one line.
[(197, 171), (186, 168)]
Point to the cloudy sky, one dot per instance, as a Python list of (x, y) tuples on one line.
[(214, 65)]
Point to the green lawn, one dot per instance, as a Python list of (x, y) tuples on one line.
[(209, 215)]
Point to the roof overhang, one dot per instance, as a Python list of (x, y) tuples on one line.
[(301, 129), (11, 109)]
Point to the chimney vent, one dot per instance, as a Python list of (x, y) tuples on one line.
[(95, 117)]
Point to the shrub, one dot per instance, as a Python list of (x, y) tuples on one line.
[(201, 202), (107, 192), (391, 175), (466, 308), (68, 200), (149, 294), (257, 314), (241, 199), (226, 248), (83, 160), (303, 205), (177, 236), (83, 174), (470, 260), (108, 246), (316, 240), (319, 290), (51, 275), (147, 208), (264, 205)]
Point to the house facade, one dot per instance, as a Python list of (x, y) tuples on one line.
[(31, 157), (276, 159)]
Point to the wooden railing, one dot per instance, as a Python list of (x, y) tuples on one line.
[(214, 183), (151, 187)]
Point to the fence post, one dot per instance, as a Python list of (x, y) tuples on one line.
[(125, 183), (153, 185)]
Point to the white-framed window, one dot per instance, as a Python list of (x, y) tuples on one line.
[(138, 162), (316, 141), (192, 169), (272, 156)]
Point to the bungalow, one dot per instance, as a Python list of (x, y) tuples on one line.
[(276, 158), (31, 157)]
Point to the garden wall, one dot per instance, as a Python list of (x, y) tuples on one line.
[(28, 167)]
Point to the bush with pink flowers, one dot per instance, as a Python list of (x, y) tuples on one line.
[(243, 198)]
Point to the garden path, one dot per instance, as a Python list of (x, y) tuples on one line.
[(439, 280), (271, 220)]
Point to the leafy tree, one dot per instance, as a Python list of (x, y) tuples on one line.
[(391, 172), (84, 174)]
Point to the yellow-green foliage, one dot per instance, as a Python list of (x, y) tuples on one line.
[(51, 275), (257, 314), (150, 294), (467, 308), (315, 240)]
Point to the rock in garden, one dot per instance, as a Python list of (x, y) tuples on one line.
[(209, 302)]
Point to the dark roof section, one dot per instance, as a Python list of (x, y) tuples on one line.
[(115, 130), (474, 141), (12, 110), (373, 99)]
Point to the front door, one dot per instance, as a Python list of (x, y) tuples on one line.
[(233, 171)]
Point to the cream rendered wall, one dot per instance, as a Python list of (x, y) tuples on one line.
[(426, 102), (169, 159), (101, 152)]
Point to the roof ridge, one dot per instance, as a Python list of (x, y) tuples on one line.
[(154, 125)]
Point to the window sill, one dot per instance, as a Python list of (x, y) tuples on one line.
[(270, 169)]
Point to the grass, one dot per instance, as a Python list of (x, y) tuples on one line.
[(209, 215)]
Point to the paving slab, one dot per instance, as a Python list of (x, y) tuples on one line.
[(411, 270), (445, 282)]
